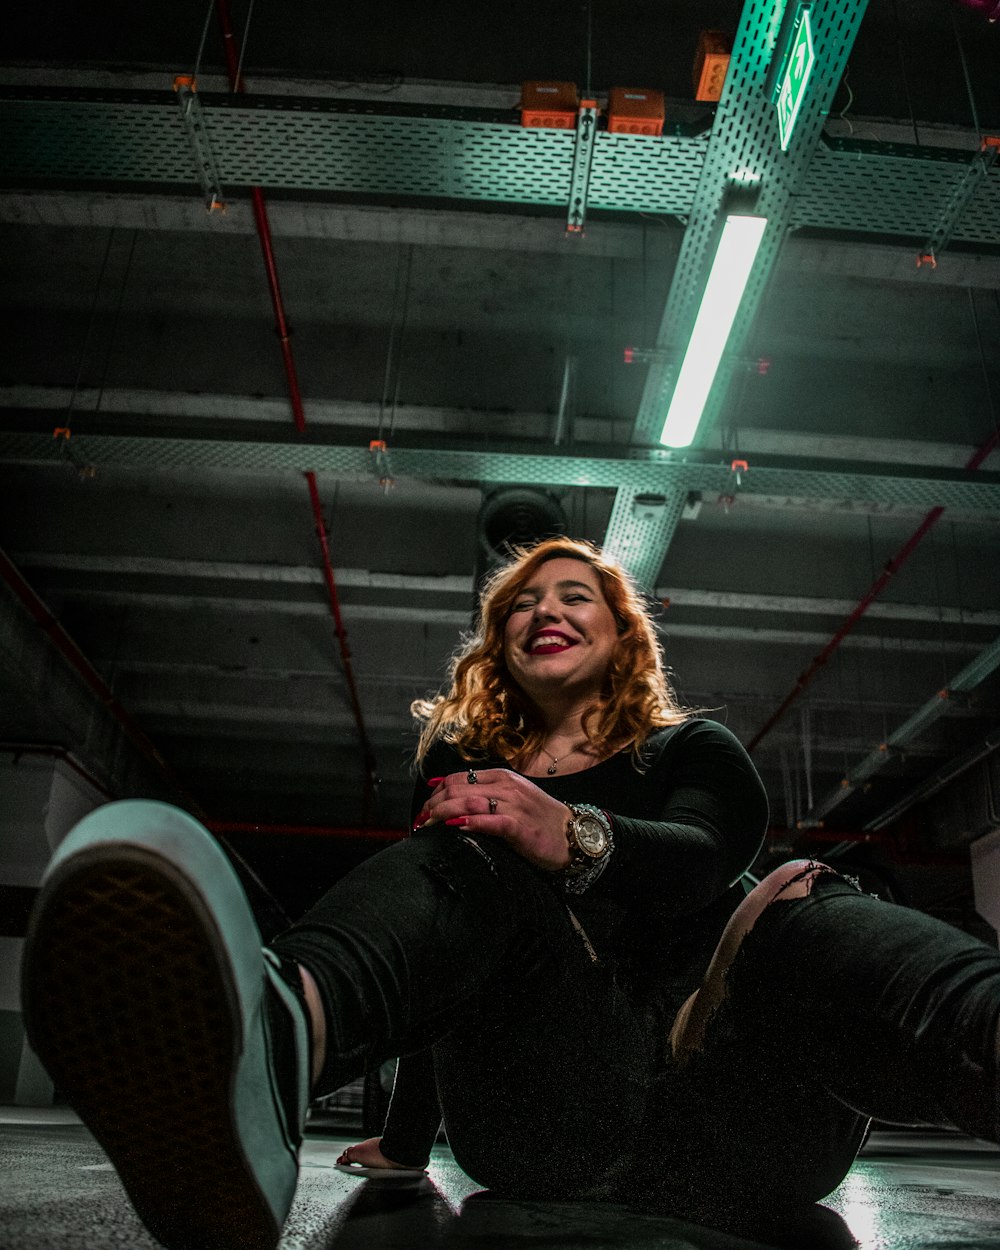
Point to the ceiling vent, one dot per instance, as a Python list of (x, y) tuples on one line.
[(514, 517)]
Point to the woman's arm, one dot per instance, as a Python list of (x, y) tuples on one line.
[(710, 816)]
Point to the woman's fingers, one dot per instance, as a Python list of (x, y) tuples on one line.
[(504, 805)]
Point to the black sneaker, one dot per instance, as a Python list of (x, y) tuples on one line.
[(149, 1000)]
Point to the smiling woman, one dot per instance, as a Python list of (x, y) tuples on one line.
[(561, 957), (565, 666)]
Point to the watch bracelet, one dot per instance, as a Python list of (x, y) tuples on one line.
[(577, 879)]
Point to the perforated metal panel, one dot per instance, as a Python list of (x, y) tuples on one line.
[(649, 471), (70, 140), (744, 150), (378, 155), (857, 187), (639, 537), (647, 175), (901, 192)]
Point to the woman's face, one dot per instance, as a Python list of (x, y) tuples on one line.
[(561, 634)]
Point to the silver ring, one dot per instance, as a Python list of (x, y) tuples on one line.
[(472, 778), (493, 806)]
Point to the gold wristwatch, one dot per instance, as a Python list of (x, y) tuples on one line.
[(588, 832)]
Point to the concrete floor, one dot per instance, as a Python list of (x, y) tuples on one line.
[(908, 1192)]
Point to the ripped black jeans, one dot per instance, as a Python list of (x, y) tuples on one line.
[(556, 1083)]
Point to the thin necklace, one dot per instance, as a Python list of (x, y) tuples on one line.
[(552, 767)]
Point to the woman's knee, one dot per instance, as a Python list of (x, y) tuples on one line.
[(790, 881)]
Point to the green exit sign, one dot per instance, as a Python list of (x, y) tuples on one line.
[(798, 67)]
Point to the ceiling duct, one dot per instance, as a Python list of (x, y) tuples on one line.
[(514, 517)]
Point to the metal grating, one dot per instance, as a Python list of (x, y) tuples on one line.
[(639, 536), (859, 188), (895, 195), (931, 711), (70, 140), (648, 175), (653, 472), (378, 155), (744, 150)]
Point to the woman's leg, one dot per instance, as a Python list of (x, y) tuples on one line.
[(825, 1007), (459, 944), (184, 1045)]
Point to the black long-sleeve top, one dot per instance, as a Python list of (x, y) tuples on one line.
[(685, 830)]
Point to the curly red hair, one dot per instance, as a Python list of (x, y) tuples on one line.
[(485, 714)]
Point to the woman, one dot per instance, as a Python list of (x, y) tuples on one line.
[(561, 949)]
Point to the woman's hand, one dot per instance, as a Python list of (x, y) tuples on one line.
[(529, 820), (368, 1154)]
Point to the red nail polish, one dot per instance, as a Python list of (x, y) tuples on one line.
[(458, 820), (435, 781)]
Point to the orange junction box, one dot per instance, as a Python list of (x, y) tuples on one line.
[(553, 105), (711, 61), (635, 111)]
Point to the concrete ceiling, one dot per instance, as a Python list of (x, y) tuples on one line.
[(172, 536)]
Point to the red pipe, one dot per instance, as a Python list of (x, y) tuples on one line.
[(237, 85), (264, 230), (68, 649), (345, 651), (362, 832), (891, 568)]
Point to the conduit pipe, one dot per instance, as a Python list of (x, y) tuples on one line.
[(345, 651), (891, 568), (237, 85), (263, 225)]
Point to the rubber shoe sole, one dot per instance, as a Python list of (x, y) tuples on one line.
[(144, 985)]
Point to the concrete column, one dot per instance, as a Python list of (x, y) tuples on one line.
[(985, 852), (41, 799)]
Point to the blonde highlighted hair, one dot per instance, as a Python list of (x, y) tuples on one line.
[(485, 714)]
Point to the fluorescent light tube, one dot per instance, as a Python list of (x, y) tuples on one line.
[(737, 251)]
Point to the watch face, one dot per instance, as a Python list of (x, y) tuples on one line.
[(590, 836)]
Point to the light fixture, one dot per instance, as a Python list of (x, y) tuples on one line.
[(734, 258)]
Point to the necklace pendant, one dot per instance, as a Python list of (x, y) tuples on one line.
[(551, 769)]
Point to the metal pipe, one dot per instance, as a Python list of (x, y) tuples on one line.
[(345, 651), (263, 224), (237, 85), (930, 787), (891, 568)]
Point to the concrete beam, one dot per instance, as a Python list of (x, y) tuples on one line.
[(217, 571), (458, 619), (502, 232)]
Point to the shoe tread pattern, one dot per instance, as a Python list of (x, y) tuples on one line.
[(130, 1014)]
